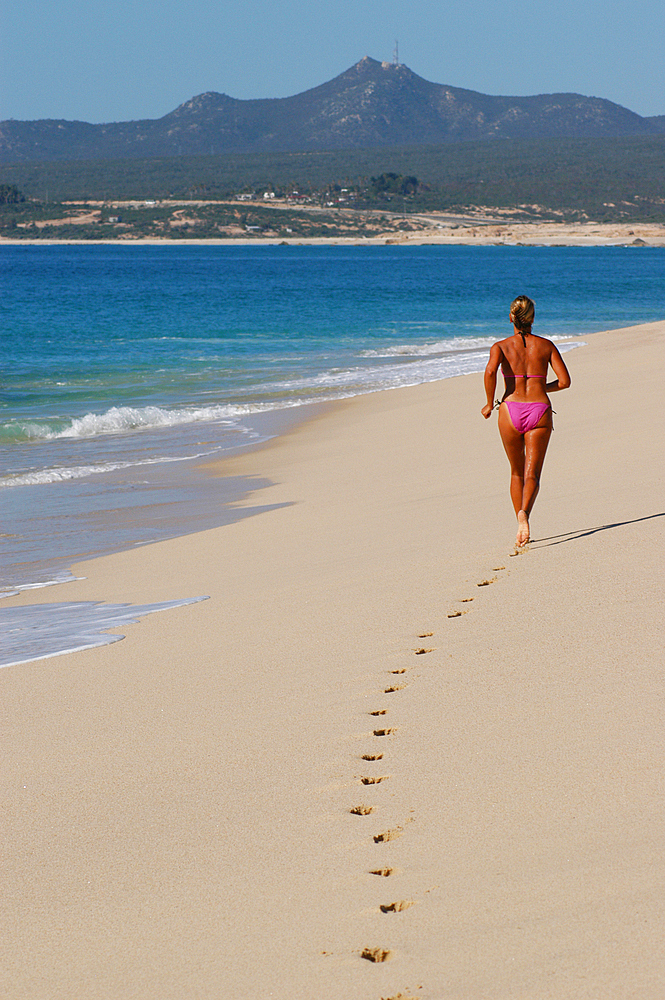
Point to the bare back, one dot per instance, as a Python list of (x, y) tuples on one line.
[(524, 361)]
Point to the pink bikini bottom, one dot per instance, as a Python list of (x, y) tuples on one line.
[(525, 416)]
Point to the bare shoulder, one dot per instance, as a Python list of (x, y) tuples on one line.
[(544, 345)]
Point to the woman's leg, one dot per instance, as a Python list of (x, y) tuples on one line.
[(535, 446), (513, 442), (526, 454)]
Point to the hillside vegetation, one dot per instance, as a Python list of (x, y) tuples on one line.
[(604, 180)]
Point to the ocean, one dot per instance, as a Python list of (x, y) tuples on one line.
[(128, 366)]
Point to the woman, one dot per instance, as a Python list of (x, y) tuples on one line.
[(525, 412)]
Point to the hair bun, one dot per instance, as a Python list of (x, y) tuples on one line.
[(523, 311)]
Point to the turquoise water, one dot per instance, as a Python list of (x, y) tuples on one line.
[(126, 366)]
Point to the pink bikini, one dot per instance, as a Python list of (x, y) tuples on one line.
[(525, 416)]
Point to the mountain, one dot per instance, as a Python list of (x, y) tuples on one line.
[(371, 105)]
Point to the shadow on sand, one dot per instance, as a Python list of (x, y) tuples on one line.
[(571, 536)]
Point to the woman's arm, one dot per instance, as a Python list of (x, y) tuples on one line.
[(561, 372), (490, 379)]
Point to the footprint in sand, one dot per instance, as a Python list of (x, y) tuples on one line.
[(486, 583), (397, 907), (382, 711), (372, 756), (457, 614), (402, 671), (376, 954), (385, 872), (497, 569), (425, 635), (383, 838), (361, 810), (395, 687), (466, 600), (419, 652), (374, 781), (383, 732)]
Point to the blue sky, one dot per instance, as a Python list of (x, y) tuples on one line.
[(96, 60)]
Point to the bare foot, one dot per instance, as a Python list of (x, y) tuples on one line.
[(523, 533)]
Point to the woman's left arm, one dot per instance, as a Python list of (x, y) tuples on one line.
[(561, 372)]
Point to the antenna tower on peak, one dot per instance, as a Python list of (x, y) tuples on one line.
[(396, 54)]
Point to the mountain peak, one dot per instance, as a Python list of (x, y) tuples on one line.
[(202, 103), (369, 65), (372, 104)]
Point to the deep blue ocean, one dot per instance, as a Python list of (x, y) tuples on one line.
[(126, 367)]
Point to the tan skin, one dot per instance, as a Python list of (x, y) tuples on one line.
[(524, 353)]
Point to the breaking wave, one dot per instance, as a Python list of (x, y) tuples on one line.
[(61, 475), (451, 345), (448, 346), (117, 420)]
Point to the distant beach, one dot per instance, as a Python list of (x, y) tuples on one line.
[(441, 232)]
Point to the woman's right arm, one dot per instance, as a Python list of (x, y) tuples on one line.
[(490, 379), (561, 372)]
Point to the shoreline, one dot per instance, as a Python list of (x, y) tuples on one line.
[(180, 803), (194, 504), (269, 426)]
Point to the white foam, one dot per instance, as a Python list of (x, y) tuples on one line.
[(120, 419), (61, 475), (447, 346), (451, 345), (39, 631), (16, 588)]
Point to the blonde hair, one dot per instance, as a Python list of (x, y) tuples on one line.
[(522, 312)]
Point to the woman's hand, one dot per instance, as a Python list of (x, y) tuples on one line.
[(487, 410)]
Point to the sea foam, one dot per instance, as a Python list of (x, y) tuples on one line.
[(39, 631), (451, 345), (60, 475), (119, 420), (447, 346)]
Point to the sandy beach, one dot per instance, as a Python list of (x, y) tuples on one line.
[(433, 229), (388, 757)]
